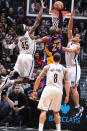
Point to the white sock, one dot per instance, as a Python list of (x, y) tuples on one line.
[(58, 127), (77, 106), (12, 82), (41, 127)]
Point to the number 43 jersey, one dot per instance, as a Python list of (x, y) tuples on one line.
[(55, 75), (26, 44)]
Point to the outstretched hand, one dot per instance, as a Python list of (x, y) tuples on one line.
[(34, 95), (42, 4)]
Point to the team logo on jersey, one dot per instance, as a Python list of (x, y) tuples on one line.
[(65, 108)]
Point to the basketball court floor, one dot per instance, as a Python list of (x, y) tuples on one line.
[(6, 128)]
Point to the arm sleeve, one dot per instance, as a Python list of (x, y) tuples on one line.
[(12, 46), (60, 19)]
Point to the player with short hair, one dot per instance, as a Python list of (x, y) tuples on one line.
[(27, 46), (51, 96), (71, 56), (53, 42)]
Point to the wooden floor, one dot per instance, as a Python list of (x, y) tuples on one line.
[(6, 128)]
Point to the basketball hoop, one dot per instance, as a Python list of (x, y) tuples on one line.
[(55, 18)]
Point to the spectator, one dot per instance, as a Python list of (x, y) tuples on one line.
[(5, 107), (21, 15), (40, 47), (38, 62), (82, 30), (76, 31), (20, 105), (10, 15)]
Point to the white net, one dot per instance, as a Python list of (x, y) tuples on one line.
[(55, 20)]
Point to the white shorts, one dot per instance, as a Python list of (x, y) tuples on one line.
[(51, 99), (24, 65), (74, 75)]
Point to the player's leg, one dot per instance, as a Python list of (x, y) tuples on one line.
[(8, 80), (17, 71), (57, 120), (42, 119), (75, 96), (74, 92)]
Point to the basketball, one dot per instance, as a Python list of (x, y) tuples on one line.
[(58, 5)]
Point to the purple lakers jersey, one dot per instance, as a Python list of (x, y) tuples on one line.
[(55, 45)]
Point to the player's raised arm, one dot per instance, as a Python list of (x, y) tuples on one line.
[(60, 19), (38, 18), (70, 26)]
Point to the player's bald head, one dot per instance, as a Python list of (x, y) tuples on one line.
[(52, 30)]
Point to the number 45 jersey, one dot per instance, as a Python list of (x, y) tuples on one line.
[(26, 44), (55, 75), (25, 61)]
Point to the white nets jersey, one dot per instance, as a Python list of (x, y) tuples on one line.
[(55, 75), (71, 58), (26, 44)]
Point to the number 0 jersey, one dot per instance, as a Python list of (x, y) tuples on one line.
[(26, 44), (55, 75)]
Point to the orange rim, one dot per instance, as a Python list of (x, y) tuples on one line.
[(57, 13)]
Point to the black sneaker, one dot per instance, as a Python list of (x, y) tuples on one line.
[(78, 112)]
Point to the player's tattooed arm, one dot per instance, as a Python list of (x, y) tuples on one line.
[(38, 18)]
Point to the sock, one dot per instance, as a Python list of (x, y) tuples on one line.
[(12, 82), (58, 127), (41, 127), (77, 106)]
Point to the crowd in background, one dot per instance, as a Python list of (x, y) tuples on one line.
[(10, 17)]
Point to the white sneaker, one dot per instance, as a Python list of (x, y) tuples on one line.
[(6, 82), (81, 109)]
